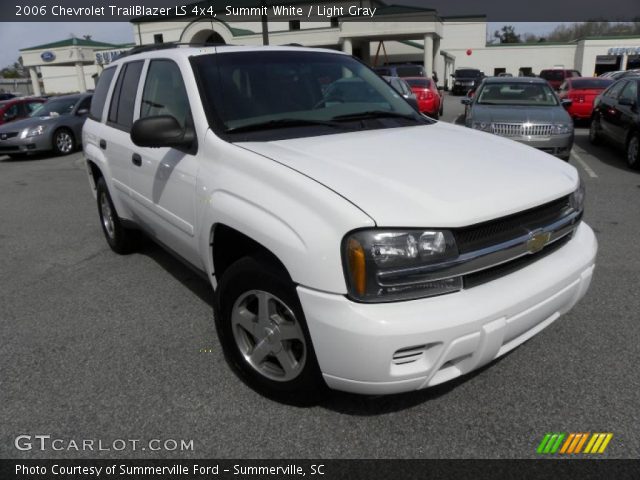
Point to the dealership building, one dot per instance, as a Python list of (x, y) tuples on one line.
[(395, 34)]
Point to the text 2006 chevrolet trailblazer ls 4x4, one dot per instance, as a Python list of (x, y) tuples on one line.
[(351, 242)]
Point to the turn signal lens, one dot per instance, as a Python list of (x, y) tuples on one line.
[(357, 266)]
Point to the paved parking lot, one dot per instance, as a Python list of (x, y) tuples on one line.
[(98, 346)]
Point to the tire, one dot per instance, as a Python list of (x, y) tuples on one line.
[(120, 239), (633, 151), (594, 131), (285, 370), (441, 108), (63, 142)]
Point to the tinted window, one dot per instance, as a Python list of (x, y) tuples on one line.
[(583, 83), (31, 106), (85, 104), (554, 75), (164, 92), (100, 95), (11, 112), (630, 92), (410, 71), (615, 89), (418, 82), (468, 73), (124, 95)]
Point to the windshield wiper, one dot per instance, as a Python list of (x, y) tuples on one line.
[(284, 123), (374, 114)]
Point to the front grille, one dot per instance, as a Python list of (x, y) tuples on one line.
[(493, 232), (522, 130), (8, 135), (478, 278)]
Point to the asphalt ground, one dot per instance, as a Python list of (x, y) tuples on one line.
[(96, 346)]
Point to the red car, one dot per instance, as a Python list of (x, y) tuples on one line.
[(428, 96), (583, 91), (17, 108)]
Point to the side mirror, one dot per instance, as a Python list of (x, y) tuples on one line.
[(566, 102), (82, 111), (466, 101), (161, 131)]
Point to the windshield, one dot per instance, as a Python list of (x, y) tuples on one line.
[(409, 71), (275, 88), (537, 94), (467, 73), (54, 108)]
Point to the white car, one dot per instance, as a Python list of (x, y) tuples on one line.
[(351, 242)]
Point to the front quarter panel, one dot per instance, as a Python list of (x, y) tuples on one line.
[(299, 220)]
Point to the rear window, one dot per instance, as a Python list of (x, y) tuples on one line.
[(100, 95), (418, 82), (585, 83), (554, 75), (410, 71)]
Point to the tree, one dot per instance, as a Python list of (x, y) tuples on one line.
[(15, 70), (507, 34)]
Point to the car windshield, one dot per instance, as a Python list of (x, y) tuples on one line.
[(467, 73), (588, 83), (537, 94), (242, 90), (54, 108)]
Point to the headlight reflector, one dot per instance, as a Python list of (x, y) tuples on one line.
[(562, 128), (483, 126), (32, 132), (576, 200), (384, 265)]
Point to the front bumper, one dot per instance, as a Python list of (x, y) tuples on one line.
[(403, 346), (38, 143), (558, 145)]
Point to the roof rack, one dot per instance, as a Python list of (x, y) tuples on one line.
[(165, 46)]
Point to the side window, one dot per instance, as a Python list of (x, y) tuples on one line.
[(630, 92), (100, 95), (164, 92), (11, 113), (614, 90), (84, 104), (31, 106), (124, 96)]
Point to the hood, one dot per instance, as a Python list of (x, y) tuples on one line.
[(518, 114), (437, 175), (27, 123)]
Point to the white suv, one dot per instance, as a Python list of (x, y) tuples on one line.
[(350, 241)]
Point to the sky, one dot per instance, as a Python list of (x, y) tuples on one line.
[(17, 35)]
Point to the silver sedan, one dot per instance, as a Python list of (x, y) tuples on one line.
[(524, 109), (56, 125)]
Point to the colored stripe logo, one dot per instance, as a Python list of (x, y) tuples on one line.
[(574, 443)]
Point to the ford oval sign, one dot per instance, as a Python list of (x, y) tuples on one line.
[(48, 56)]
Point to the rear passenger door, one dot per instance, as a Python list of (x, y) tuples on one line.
[(116, 141), (163, 180)]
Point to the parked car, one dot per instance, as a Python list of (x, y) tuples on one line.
[(430, 101), (403, 88), (6, 96), (616, 118), (356, 245), (582, 91), (18, 108), (524, 109), (613, 74), (402, 70), (504, 74), (557, 76), (629, 73), (55, 125), (465, 79)]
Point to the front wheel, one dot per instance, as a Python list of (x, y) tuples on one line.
[(63, 142), (633, 151), (264, 334)]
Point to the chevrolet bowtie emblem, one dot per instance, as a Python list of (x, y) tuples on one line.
[(537, 241)]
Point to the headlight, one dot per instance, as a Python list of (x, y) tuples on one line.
[(576, 200), (32, 132), (384, 265), (561, 129), (484, 126)]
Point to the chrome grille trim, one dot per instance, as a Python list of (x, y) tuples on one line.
[(482, 258), (522, 129)]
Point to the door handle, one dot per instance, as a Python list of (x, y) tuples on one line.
[(103, 144), (136, 160)]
